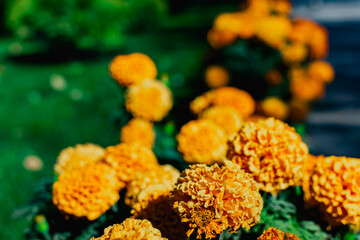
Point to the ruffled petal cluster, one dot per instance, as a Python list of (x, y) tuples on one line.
[(139, 131), (308, 168), (238, 99), (148, 186), (128, 159), (150, 100), (202, 141), (213, 199), (216, 76), (276, 234), (335, 186), (86, 192), (271, 151), (131, 229), (78, 156), (132, 68)]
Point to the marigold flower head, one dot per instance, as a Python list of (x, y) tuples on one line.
[(78, 156), (225, 117), (265, 7), (131, 229), (307, 88), (220, 38), (294, 53), (321, 70), (216, 76), (202, 141), (275, 107), (150, 100), (240, 23), (213, 199), (132, 68), (273, 77), (308, 167), (335, 186), (276, 234), (271, 151), (226, 97), (128, 159), (88, 191), (140, 131), (273, 30), (281, 6), (148, 186)]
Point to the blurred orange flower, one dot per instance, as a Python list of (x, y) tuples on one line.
[(294, 53), (216, 76), (140, 131), (322, 71), (240, 23), (273, 77), (275, 107), (220, 38)]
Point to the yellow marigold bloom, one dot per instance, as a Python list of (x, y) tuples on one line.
[(276, 234), (298, 110), (240, 23), (150, 100), (226, 97), (294, 53), (281, 6), (259, 8), (273, 30), (273, 77), (213, 199), (148, 186), (202, 141), (132, 68), (225, 117), (306, 88), (308, 167), (270, 150), (131, 229), (88, 191), (78, 156), (275, 107), (220, 38), (335, 186), (321, 70), (216, 76), (138, 131), (128, 159)]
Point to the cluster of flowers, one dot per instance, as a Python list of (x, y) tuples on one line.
[(234, 156), (301, 43)]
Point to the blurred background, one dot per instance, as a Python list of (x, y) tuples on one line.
[(55, 90)]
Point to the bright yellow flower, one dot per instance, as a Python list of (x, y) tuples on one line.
[(270, 150), (150, 100), (216, 76), (275, 107), (78, 156), (322, 71), (213, 199), (294, 53), (306, 88), (276, 234), (140, 131), (240, 23)]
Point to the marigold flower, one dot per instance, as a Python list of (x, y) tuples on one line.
[(270, 150), (294, 53), (273, 77), (259, 8), (216, 76), (75, 157), (88, 191), (225, 117), (226, 97), (202, 141), (335, 186), (220, 38), (273, 30), (131, 229), (148, 186), (321, 70), (128, 159), (240, 23), (150, 100), (281, 6), (140, 131), (276, 234), (308, 167), (275, 107), (306, 88), (213, 199), (132, 68)]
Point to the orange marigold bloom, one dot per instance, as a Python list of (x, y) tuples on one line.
[(148, 186), (202, 141), (335, 186), (88, 191), (270, 150), (240, 23), (213, 199), (281, 6), (321, 70), (226, 117), (140, 131), (275, 107), (131, 229), (216, 76), (150, 100), (273, 30), (220, 38), (306, 88), (273, 77), (128, 159), (226, 97), (294, 53), (308, 167), (276, 234), (259, 8), (132, 68), (78, 156)]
